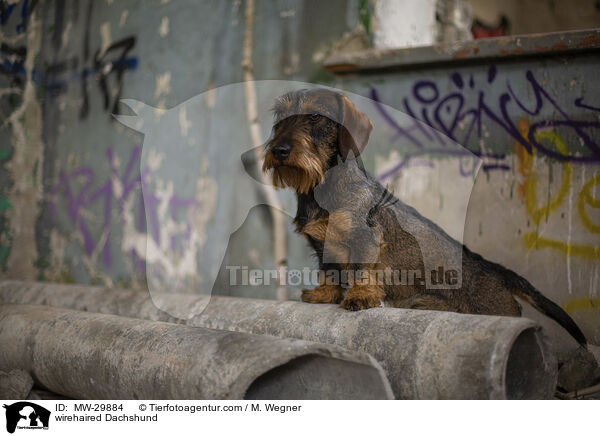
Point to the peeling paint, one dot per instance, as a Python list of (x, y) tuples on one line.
[(175, 266), (123, 18), (58, 244), (163, 29), (105, 36), (66, 34), (210, 95), (162, 85), (155, 160), (184, 124), (25, 195)]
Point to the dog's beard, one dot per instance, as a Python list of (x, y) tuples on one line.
[(289, 176), (301, 172), (297, 178)]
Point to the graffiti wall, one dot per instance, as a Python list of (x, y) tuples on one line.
[(77, 204), (501, 152), (534, 123)]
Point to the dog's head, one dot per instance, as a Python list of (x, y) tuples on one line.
[(312, 129)]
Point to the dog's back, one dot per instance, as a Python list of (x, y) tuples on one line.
[(486, 287)]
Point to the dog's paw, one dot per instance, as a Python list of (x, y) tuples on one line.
[(363, 297), (308, 296), (322, 294), (355, 304)]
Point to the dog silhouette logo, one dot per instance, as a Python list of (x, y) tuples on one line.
[(26, 415), (197, 192)]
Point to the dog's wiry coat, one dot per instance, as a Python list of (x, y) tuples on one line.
[(347, 216)]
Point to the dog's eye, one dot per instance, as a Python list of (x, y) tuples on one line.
[(315, 117)]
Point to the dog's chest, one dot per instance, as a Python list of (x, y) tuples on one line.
[(311, 221)]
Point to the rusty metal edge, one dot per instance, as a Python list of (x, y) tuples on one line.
[(506, 47)]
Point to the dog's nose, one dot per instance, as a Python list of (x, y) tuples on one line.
[(281, 151)]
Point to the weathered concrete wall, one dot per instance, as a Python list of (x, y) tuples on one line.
[(531, 116), (538, 16), (71, 190), (70, 175)]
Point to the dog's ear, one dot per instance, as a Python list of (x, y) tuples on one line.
[(355, 128)]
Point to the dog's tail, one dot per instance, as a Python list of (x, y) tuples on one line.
[(523, 289)]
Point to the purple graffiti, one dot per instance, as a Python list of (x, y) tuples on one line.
[(438, 116), (76, 190), (426, 91)]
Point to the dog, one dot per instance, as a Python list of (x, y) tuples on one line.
[(355, 225)]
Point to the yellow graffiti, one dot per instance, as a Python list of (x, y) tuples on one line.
[(525, 159), (581, 303), (531, 183), (586, 197), (533, 241), (528, 193)]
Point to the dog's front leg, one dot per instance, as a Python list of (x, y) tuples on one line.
[(324, 293), (365, 291)]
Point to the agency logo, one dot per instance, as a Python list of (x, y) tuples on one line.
[(197, 191), (26, 415)]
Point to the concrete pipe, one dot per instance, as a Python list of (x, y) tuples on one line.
[(426, 354), (87, 355)]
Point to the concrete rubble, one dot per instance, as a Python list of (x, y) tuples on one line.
[(426, 354), (87, 355)]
